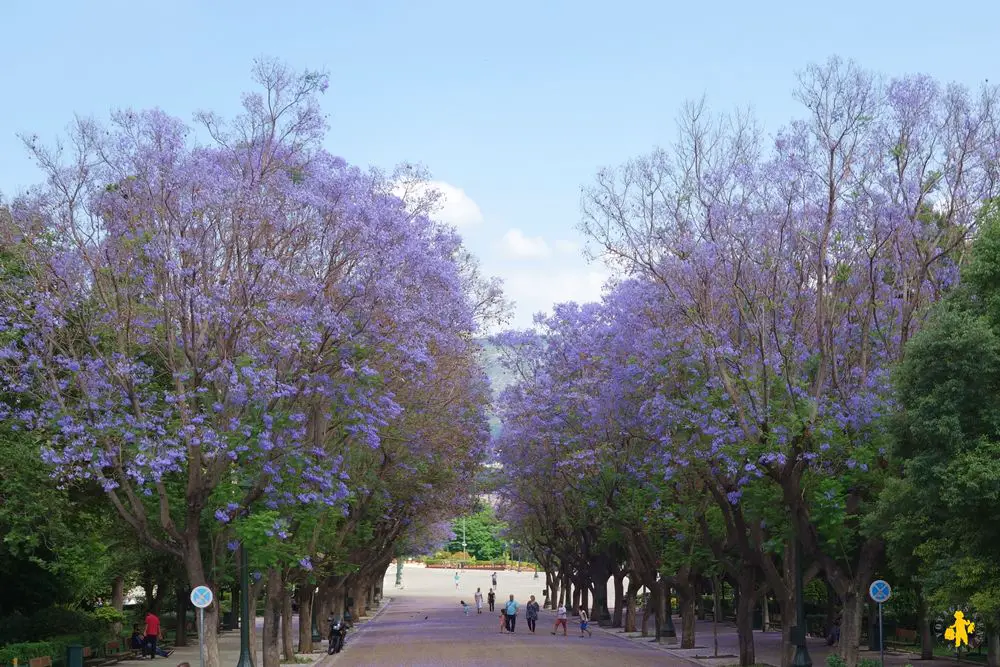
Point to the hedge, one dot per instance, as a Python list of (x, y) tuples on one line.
[(26, 651), (54, 647), (41, 625)]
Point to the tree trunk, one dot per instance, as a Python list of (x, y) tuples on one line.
[(307, 595), (993, 649), (688, 618), (323, 605), (744, 615), (358, 597), (287, 636), (850, 626), (182, 607), (831, 607), (786, 605), (616, 620), (576, 601), (117, 602), (924, 628), (196, 577), (585, 598), (630, 609), (600, 613), (272, 619), (338, 600), (687, 590), (555, 588), (256, 588)]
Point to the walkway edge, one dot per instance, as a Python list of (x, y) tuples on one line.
[(328, 659), (644, 641)]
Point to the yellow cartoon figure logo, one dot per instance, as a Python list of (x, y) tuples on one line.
[(959, 631)]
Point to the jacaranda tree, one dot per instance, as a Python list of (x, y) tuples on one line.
[(787, 278), (205, 328)]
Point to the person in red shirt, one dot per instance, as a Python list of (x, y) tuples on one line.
[(151, 632)]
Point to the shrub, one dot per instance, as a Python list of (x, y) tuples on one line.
[(108, 615), (25, 651), (63, 620), (869, 662), (835, 661)]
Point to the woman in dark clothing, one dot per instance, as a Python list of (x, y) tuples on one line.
[(491, 597), (531, 613)]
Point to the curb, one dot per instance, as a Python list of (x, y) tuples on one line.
[(644, 641), (328, 659)]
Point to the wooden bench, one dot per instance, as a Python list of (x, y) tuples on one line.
[(44, 661), (116, 651), (90, 657)]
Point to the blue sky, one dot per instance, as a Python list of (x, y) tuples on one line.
[(512, 106)]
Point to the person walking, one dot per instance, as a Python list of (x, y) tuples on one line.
[(150, 633), (531, 613), (560, 619), (479, 600), (511, 608), (494, 580), (465, 608), (491, 597), (457, 577), (585, 623)]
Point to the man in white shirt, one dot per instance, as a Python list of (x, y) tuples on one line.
[(479, 601)]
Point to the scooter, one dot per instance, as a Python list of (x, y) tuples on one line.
[(338, 629)]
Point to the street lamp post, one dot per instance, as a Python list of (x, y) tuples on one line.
[(245, 660), (463, 534), (316, 636), (801, 658)]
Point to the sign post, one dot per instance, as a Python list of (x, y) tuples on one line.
[(880, 591), (201, 597)]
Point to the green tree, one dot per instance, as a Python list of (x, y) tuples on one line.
[(948, 442), (482, 534)]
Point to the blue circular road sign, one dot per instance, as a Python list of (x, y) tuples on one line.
[(880, 591), (201, 596)]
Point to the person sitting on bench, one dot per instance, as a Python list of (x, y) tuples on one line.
[(137, 643)]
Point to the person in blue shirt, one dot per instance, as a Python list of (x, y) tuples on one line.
[(511, 609)]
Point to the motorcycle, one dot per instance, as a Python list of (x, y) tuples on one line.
[(338, 630)]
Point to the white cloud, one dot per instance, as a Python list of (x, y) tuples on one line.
[(539, 287), (454, 206), (457, 208), (517, 245), (566, 247)]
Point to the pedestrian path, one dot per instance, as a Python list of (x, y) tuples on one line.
[(418, 630)]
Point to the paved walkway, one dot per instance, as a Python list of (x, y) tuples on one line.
[(425, 630), (423, 624)]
